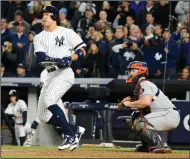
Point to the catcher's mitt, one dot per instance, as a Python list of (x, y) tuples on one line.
[(131, 99)]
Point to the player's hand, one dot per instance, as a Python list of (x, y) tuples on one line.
[(17, 115), (20, 45), (126, 99), (65, 61), (127, 103)]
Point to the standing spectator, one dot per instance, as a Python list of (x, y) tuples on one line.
[(63, 18), (103, 16), (126, 31), (34, 7), (19, 40), (94, 62), (143, 13), (123, 11), (19, 18), (172, 51), (88, 20), (113, 59), (183, 44), (5, 32), (149, 21), (90, 33), (9, 56), (101, 26), (177, 34), (3, 71), (162, 13), (109, 35), (30, 60), (77, 14), (15, 6), (137, 6), (109, 9), (158, 33), (181, 9)]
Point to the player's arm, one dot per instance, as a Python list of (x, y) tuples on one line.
[(77, 45), (24, 112), (79, 54), (143, 102)]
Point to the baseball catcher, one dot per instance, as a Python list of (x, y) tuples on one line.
[(154, 111)]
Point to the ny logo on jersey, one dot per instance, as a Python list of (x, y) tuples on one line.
[(59, 41), (158, 56)]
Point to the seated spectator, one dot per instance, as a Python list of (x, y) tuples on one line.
[(90, 33), (30, 60), (19, 40), (45, 3), (139, 37), (185, 74), (143, 13), (3, 71), (149, 33), (94, 62), (18, 18), (162, 13), (181, 9), (5, 32), (98, 38), (9, 56), (149, 21), (126, 31), (88, 20), (21, 71), (63, 18), (123, 11), (172, 51)]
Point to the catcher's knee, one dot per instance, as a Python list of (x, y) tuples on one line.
[(142, 123)]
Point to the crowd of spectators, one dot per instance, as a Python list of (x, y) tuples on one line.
[(116, 33)]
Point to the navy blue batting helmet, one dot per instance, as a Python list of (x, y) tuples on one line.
[(50, 9)]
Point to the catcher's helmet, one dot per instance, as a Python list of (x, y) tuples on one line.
[(13, 93), (50, 9), (142, 71)]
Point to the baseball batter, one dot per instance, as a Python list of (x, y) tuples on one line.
[(17, 109), (53, 48), (156, 111), (36, 122)]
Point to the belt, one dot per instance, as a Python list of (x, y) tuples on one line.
[(19, 123), (56, 68), (176, 109)]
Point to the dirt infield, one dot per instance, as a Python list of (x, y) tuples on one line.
[(52, 152)]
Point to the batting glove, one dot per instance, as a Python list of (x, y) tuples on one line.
[(65, 61)]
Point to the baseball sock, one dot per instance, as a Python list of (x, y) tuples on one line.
[(58, 119)]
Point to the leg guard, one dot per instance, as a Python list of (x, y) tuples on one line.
[(147, 133)]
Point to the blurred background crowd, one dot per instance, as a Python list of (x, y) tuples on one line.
[(116, 33)]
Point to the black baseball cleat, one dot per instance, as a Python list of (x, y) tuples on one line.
[(142, 148), (166, 149)]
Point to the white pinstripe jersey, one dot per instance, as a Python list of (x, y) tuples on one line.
[(18, 109), (58, 43)]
